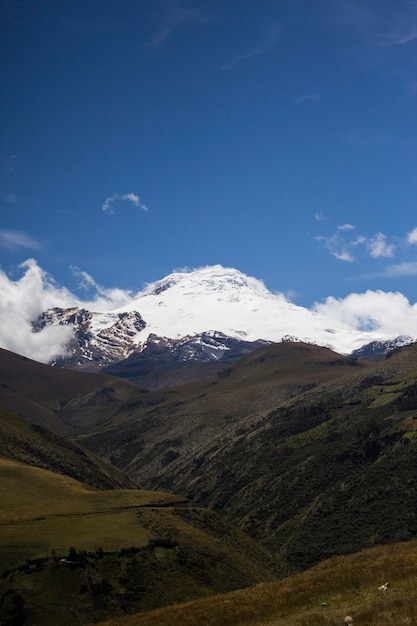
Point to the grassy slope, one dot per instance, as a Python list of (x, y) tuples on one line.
[(43, 511), (347, 585), (138, 550), (34, 445), (58, 399)]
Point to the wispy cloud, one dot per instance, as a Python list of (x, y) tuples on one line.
[(399, 38), (17, 240), (402, 29), (392, 27), (109, 203), (345, 245), (312, 97), (269, 40), (336, 244), (342, 246), (176, 17), (395, 270), (101, 298), (373, 35), (399, 270), (378, 246)]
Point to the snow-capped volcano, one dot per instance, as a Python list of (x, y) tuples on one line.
[(225, 300), (217, 300)]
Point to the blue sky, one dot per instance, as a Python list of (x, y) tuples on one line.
[(277, 137)]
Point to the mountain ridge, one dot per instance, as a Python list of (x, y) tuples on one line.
[(324, 447), (216, 301), (58, 399)]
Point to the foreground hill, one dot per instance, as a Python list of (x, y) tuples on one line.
[(322, 596), (70, 554), (311, 453)]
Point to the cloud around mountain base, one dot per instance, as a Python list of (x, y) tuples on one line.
[(386, 314)]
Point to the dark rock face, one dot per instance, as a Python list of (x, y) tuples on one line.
[(378, 349), (110, 341), (92, 347)]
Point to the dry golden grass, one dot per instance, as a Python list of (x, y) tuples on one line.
[(50, 494), (322, 596), (148, 548), (42, 511)]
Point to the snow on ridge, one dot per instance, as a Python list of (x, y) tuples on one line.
[(221, 280), (46, 321), (224, 299), (220, 300)]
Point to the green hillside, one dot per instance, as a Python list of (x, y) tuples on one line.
[(157, 435), (70, 554), (311, 453)]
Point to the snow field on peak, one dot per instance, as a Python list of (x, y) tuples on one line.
[(225, 300)]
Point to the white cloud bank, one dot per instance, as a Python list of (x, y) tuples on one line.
[(21, 302), (412, 236), (387, 314), (24, 299)]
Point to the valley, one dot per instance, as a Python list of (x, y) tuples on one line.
[(289, 460)]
